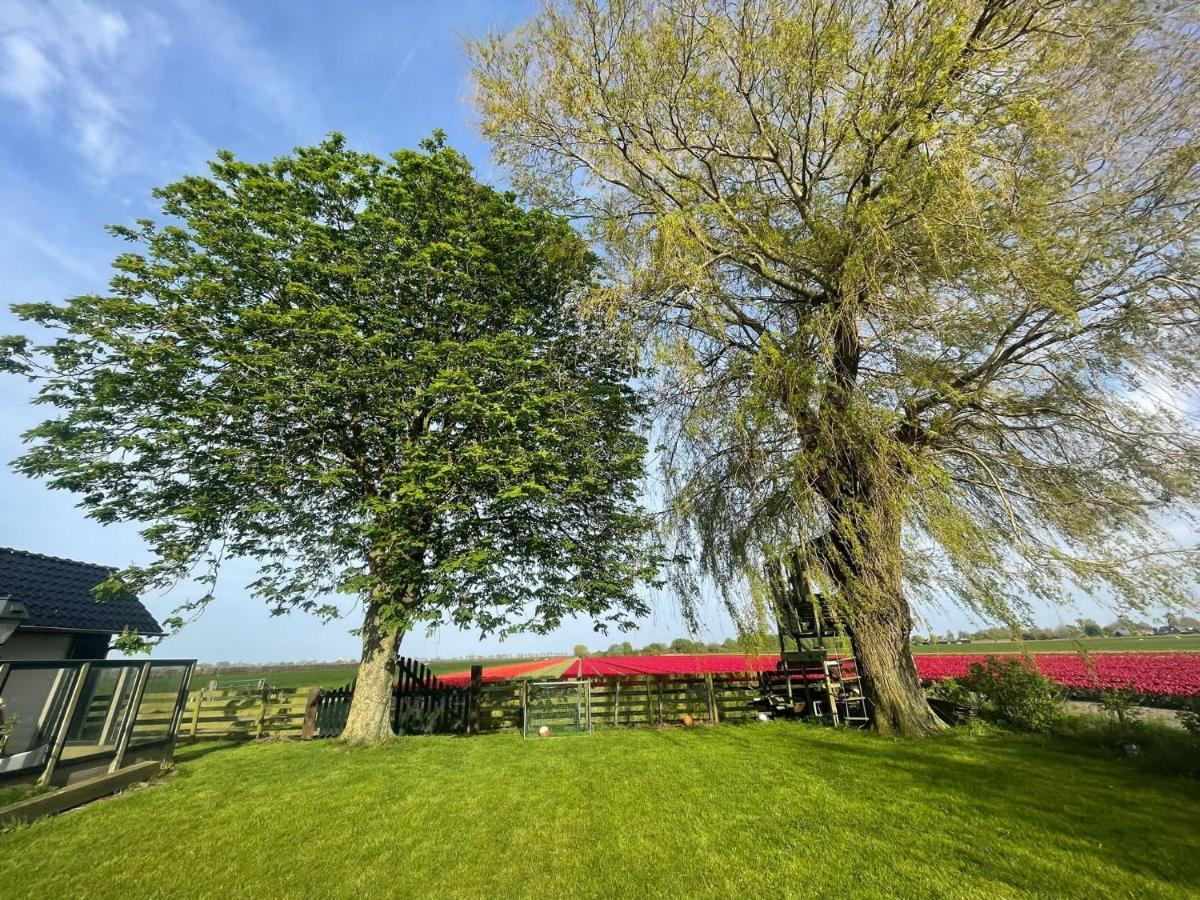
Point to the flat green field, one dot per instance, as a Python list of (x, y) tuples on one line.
[(328, 676), (761, 810), (1161, 643)]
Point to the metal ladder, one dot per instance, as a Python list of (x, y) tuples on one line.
[(846, 689)]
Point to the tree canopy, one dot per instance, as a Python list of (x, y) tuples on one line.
[(367, 375), (921, 278)]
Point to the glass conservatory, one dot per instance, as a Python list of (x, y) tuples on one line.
[(65, 720)]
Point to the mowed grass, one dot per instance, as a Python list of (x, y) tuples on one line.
[(773, 810), (1157, 643)]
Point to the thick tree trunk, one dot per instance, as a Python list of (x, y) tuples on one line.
[(864, 559), (889, 675), (370, 718)]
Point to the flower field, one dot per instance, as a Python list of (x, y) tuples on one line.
[(1153, 674), (1159, 674), (547, 668)]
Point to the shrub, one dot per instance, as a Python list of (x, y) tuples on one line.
[(951, 689), (1190, 716), (1121, 706), (1016, 694), (1161, 748)]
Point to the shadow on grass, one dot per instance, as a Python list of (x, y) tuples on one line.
[(1113, 815), (190, 752)]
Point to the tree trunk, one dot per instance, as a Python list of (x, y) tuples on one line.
[(889, 675), (370, 718), (863, 557)]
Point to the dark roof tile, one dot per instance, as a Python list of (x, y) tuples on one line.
[(58, 593)]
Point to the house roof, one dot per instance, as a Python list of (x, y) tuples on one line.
[(58, 595)]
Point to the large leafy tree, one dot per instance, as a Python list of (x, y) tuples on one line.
[(369, 376), (922, 277)]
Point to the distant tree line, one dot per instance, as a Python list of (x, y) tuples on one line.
[(1082, 627), (679, 645)]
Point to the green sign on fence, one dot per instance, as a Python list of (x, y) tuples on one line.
[(554, 708)]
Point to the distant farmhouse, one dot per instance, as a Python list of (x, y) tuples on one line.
[(48, 611)]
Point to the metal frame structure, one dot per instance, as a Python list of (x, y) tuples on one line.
[(62, 699), (583, 703)]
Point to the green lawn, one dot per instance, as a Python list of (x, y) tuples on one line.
[(783, 809), (1164, 643)]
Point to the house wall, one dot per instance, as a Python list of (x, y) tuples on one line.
[(36, 645)]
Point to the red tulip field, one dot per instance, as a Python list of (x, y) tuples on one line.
[(1158, 674), (1153, 674)]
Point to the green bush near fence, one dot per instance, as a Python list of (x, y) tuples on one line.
[(770, 810)]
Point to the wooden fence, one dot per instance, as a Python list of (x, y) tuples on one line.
[(651, 700), (246, 714), (421, 704)]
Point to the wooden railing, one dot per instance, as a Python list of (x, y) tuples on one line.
[(245, 714), (651, 700)]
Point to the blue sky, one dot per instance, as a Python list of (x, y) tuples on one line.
[(101, 101)]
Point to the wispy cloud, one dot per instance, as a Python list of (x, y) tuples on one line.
[(26, 75), (241, 56), (71, 64), (21, 234), (399, 73)]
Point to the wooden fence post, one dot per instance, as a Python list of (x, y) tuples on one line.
[(196, 713), (617, 703), (262, 713), (525, 709), (649, 702), (308, 731), (712, 699), (661, 720), (474, 700)]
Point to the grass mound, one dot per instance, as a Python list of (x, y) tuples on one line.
[(768, 810)]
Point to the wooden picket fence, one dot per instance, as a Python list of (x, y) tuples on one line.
[(421, 704), (430, 707)]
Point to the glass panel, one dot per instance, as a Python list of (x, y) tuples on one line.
[(96, 725), (32, 706), (157, 709)]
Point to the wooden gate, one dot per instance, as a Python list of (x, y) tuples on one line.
[(421, 704), (332, 708)]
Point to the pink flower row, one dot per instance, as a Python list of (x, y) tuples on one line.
[(1162, 674)]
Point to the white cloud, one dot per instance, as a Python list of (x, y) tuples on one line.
[(25, 73), (68, 62), (23, 236)]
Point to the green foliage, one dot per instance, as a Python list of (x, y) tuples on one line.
[(1144, 744), (1015, 693), (952, 689), (1120, 703), (7, 725), (367, 375), (1190, 717), (919, 279), (18, 792)]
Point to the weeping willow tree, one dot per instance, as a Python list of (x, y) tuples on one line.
[(920, 279)]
